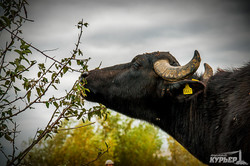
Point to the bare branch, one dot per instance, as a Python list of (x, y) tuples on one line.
[(4, 154), (13, 142), (76, 127), (50, 50), (100, 154)]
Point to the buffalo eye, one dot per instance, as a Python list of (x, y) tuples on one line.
[(136, 65)]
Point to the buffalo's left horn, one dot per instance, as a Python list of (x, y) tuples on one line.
[(175, 73), (208, 73)]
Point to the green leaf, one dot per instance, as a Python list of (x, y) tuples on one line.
[(57, 67), (16, 89), (2, 23), (45, 80), (38, 91), (33, 62), (80, 52), (25, 58), (56, 104), (78, 62), (54, 87), (87, 90), (41, 66), (5, 100), (20, 68), (65, 69), (39, 132), (7, 82), (39, 73), (106, 145), (53, 75), (57, 81), (86, 24), (7, 21), (7, 137), (22, 44), (27, 51), (28, 95), (19, 52), (47, 104), (90, 115), (80, 115)]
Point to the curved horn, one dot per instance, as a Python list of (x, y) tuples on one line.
[(208, 72), (175, 73)]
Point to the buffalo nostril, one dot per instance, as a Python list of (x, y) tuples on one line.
[(84, 74)]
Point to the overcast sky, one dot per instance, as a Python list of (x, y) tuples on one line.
[(120, 29)]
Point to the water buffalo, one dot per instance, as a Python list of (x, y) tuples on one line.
[(207, 114)]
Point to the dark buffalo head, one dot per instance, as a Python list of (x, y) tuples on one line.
[(138, 88)]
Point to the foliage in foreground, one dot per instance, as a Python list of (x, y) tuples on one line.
[(127, 143), (30, 79)]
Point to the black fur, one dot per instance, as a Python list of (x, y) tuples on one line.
[(215, 119)]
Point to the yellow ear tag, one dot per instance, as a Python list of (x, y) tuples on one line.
[(187, 90)]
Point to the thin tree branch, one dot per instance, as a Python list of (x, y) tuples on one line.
[(76, 127), (13, 143), (4, 154), (98, 156)]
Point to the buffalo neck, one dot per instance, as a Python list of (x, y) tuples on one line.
[(188, 124)]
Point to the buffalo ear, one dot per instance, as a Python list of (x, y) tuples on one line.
[(185, 89)]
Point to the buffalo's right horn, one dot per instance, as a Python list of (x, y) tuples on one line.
[(175, 73)]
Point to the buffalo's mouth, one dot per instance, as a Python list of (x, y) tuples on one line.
[(84, 75), (91, 94), (83, 80)]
